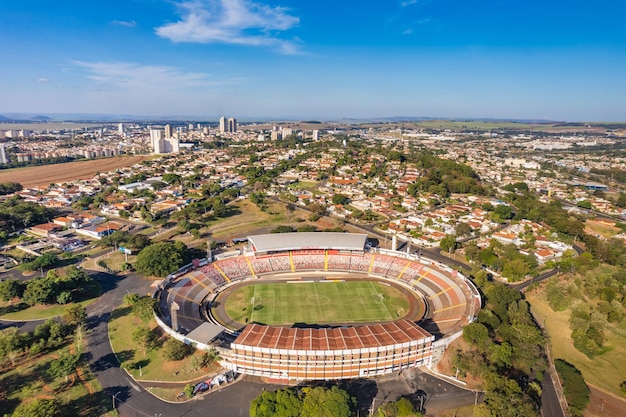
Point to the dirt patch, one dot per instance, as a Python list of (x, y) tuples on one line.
[(603, 404), (42, 176)]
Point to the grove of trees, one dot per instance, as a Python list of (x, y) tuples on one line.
[(506, 352), (161, 259), (304, 402)]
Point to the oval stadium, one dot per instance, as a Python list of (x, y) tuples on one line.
[(310, 306)]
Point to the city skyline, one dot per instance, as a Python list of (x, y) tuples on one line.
[(281, 59)]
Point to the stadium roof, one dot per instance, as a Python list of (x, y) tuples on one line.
[(360, 337), (307, 240)]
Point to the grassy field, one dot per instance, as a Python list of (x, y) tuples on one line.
[(246, 216), (605, 371), (21, 311), (317, 302)]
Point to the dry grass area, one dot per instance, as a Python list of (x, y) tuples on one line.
[(604, 372), (607, 231), (42, 176)]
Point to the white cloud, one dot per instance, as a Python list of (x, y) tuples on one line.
[(128, 24), (408, 3), (240, 22), (135, 77), (43, 80)]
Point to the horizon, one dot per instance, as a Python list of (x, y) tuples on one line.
[(561, 61)]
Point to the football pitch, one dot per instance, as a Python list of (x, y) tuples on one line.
[(318, 302)]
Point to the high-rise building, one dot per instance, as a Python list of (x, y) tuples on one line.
[(120, 129), (275, 135), (168, 131), (223, 126), (287, 131), (3, 155), (156, 137), (191, 127), (316, 135), (232, 125)]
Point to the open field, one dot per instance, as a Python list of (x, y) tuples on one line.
[(598, 228), (42, 176), (318, 302), (605, 371)]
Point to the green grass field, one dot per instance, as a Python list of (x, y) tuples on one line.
[(317, 303)]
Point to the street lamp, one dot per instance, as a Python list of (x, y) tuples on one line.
[(114, 396)]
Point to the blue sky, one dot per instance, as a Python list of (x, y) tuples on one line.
[(559, 60)]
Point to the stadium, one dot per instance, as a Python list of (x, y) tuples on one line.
[(305, 306)]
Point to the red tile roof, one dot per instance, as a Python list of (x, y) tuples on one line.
[(376, 335)]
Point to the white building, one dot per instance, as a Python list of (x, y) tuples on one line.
[(223, 126), (3, 155)]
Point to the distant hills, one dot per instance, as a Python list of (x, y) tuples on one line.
[(103, 117), (117, 118)]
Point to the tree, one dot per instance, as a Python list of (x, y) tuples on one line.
[(324, 402), (171, 178), (11, 340), (282, 403), (131, 298), (144, 307), (501, 213), (39, 291), (448, 243), (400, 408), (175, 350), (515, 269), (38, 408), (462, 229), (574, 387), (10, 289), (257, 198), (63, 366), (10, 187), (476, 333), (45, 261), (282, 229), (159, 259), (340, 199), (145, 338), (75, 315)]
